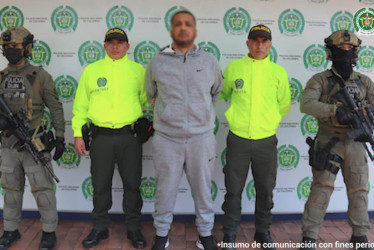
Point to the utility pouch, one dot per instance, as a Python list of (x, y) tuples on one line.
[(320, 159), (313, 151)]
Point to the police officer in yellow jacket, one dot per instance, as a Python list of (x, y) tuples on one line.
[(260, 97), (110, 94), (27, 89), (335, 149)]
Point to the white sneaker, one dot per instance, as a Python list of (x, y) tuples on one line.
[(206, 243)]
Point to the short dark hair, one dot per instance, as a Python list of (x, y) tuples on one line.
[(183, 12)]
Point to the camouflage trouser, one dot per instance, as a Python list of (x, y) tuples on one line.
[(355, 173), (14, 166)]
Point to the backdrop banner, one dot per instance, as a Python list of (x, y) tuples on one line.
[(69, 35)]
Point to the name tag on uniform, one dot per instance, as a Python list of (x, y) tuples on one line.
[(14, 82)]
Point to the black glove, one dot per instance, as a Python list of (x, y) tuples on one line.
[(4, 123), (143, 128), (344, 116), (59, 144)]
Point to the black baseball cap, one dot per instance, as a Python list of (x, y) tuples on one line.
[(116, 33), (259, 30)]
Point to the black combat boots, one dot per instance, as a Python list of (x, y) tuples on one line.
[(48, 241), (360, 242)]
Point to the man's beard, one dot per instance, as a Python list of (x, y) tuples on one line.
[(183, 43)]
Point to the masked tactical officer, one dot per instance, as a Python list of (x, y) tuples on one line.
[(27, 89), (335, 149)]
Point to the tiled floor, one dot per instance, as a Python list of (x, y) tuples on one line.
[(183, 235)]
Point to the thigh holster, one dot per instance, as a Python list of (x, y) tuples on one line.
[(321, 158)]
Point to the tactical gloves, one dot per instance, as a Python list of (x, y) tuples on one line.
[(59, 145), (344, 116)]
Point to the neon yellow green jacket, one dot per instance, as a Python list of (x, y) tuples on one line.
[(260, 97), (110, 93)]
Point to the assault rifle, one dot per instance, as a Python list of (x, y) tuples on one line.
[(20, 128), (362, 121)]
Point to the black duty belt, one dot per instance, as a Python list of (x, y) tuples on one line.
[(113, 131)]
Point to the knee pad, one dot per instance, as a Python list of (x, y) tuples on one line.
[(321, 199), (358, 199), (43, 200), (11, 182), (10, 199)]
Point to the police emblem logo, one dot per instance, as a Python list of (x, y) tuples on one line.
[(70, 158), (213, 190), (250, 191), (148, 188), (64, 19), (223, 157), (363, 21), (90, 51), (10, 16), (315, 58), (40, 54), (239, 83), (296, 89), (291, 22), (121, 17), (66, 86), (288, 157), (303, 188), (273, 54), (145, 51), (87, 189), (170, 13), (365, 61), (211, 48), (101, 82), (13, 82), (342, 20), (237, 21), (46, 120), (309, 125)]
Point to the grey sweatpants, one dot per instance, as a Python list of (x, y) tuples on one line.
[(171, 159)]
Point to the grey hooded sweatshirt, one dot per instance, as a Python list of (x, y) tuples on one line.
[(186, 88)]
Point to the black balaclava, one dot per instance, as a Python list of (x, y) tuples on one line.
[(342, 61)]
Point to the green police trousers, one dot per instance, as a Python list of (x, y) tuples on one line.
[(262, 156), (125, 150)]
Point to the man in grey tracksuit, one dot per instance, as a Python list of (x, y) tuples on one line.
[(183, 81)]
